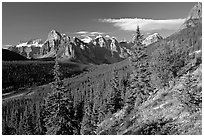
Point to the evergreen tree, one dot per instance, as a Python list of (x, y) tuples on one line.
[(190, 96), (160, 66), (28, 126), (59, 119), (87, 126), (115, 101), (95, 116), (139, 87), (79, 114), (39, 128)]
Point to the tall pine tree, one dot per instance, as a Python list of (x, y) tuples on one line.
[(140, 86), (115, 102), (88, 126), (59, 109)]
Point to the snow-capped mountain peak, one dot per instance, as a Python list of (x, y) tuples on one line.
[(87, 39), (35, 43), (152, 38), (99, 36)]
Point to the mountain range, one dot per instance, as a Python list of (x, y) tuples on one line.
[(98, 50), (88, 50)]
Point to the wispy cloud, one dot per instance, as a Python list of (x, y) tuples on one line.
[(130, 24), (88, 33), (81, 32)]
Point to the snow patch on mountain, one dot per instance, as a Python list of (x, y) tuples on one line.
[(31, 43), (152, 38), (99, 36), (87, 39)]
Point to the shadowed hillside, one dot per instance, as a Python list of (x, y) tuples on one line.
[(8, 55)]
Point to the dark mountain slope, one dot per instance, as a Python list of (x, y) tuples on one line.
[(8, 55)]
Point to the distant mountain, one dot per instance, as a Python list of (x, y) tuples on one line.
[(98, 50), (87, 39), (152, 38), (8, 55), (27, 48)]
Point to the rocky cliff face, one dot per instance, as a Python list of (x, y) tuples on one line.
[(194, 17), (97, 51)]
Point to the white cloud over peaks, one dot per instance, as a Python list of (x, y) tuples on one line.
[(81, 32), (87, 33), (130, 24)]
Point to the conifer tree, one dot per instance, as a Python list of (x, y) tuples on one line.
[(87, 125), (95, 116), (28, 125), (190, 96), (59, 109), (139, 87), (114, 103)]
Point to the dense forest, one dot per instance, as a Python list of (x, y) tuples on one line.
[(80, 105)]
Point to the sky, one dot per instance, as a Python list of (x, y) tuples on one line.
[(22, 21)]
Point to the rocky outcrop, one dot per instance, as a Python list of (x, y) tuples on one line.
[(194, 17), (114, 45), (87, 39), (152, 38), (101, 42), (57, 45)]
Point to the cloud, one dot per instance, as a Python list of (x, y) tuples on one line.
[(88, 33), (81, 32), (96, 33), (130, 24)]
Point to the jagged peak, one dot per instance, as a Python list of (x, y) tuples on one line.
[(86, 39), (195, 12), (152, 38), (194, 17), (99, 36), (54, 34), (53, 31), (107, 36), (77, 40), (155, 34), (113, 37)]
